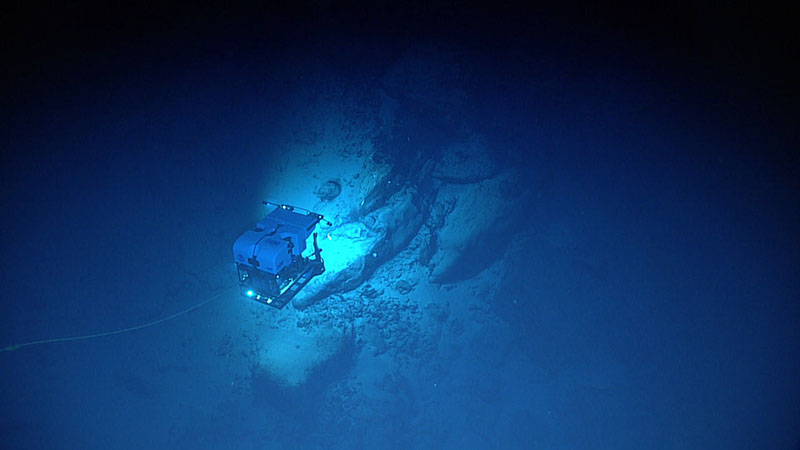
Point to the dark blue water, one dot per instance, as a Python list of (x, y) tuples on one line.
[(649, 298)]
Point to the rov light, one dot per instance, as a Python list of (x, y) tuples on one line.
[(250, 293)]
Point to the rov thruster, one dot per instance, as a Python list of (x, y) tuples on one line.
[(269, 258)]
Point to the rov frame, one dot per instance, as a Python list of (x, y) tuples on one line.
[(269, 259)]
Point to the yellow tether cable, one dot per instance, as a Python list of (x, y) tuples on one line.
[(124, 330)]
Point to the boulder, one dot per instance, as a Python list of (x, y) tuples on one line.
[(465, 162), (480, 219), (291, 354), (352, 251)]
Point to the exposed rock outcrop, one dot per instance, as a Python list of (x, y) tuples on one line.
[(361, 246), (476, 222)]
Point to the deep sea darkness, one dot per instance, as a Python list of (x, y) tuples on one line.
[(653, 303)]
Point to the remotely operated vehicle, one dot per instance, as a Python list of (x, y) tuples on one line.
[(269, 258)]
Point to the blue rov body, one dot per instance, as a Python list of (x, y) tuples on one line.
[(269, 258)]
